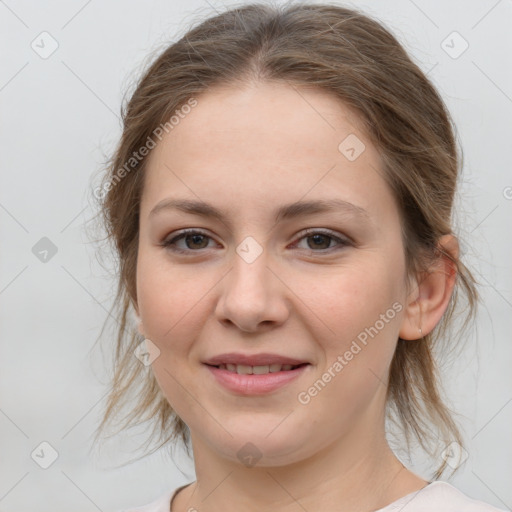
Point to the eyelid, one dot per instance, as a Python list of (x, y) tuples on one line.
[(325, 231), (180, 234), (343, 240)]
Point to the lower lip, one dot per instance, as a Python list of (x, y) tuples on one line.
[(255, 384)]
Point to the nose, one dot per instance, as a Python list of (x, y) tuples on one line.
[(252, 296)]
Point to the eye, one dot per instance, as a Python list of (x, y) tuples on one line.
[(321, 240), (196, 240), (193, 239)]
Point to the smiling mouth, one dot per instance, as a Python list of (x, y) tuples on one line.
[(243, 369)]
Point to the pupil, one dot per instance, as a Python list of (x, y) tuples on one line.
[(317, 237), (194, 238)]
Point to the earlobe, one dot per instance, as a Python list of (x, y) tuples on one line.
[(412, 328), (433, 292)]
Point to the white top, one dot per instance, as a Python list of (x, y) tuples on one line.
[(438, 495)]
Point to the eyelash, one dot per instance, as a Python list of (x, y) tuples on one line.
[(170, 244)]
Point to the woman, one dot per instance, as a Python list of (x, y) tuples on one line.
[(280, 201)]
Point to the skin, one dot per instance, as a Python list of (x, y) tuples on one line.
[(248, 151)]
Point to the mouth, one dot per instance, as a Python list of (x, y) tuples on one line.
[(246, 380), (243, 369)]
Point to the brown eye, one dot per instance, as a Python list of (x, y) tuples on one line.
[(194, 241), (320, 241)]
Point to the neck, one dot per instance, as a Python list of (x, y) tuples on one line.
[(356, 472)]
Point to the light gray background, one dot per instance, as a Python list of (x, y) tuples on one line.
[(59, 116)]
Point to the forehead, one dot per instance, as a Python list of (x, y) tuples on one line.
[(267, 143), (269, 117)]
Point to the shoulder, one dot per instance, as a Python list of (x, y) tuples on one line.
[(161, 504), (443, 497)]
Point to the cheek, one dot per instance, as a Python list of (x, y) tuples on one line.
[(170, 305), (349, 299), (169, 301), (359, 305), (362, 311)]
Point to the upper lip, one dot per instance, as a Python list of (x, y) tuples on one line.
[(252, 360)]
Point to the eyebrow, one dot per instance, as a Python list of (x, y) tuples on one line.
[(285, 212)]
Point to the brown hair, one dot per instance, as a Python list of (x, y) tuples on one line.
[(354, 58)]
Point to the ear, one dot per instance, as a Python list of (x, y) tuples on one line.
[(431, 295)]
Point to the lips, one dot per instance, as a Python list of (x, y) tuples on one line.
[(243, 369), (237, 379), (254, 360)]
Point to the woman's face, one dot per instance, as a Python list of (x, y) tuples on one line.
[(250, 284)]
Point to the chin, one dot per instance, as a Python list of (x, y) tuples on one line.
[(261, 449)]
